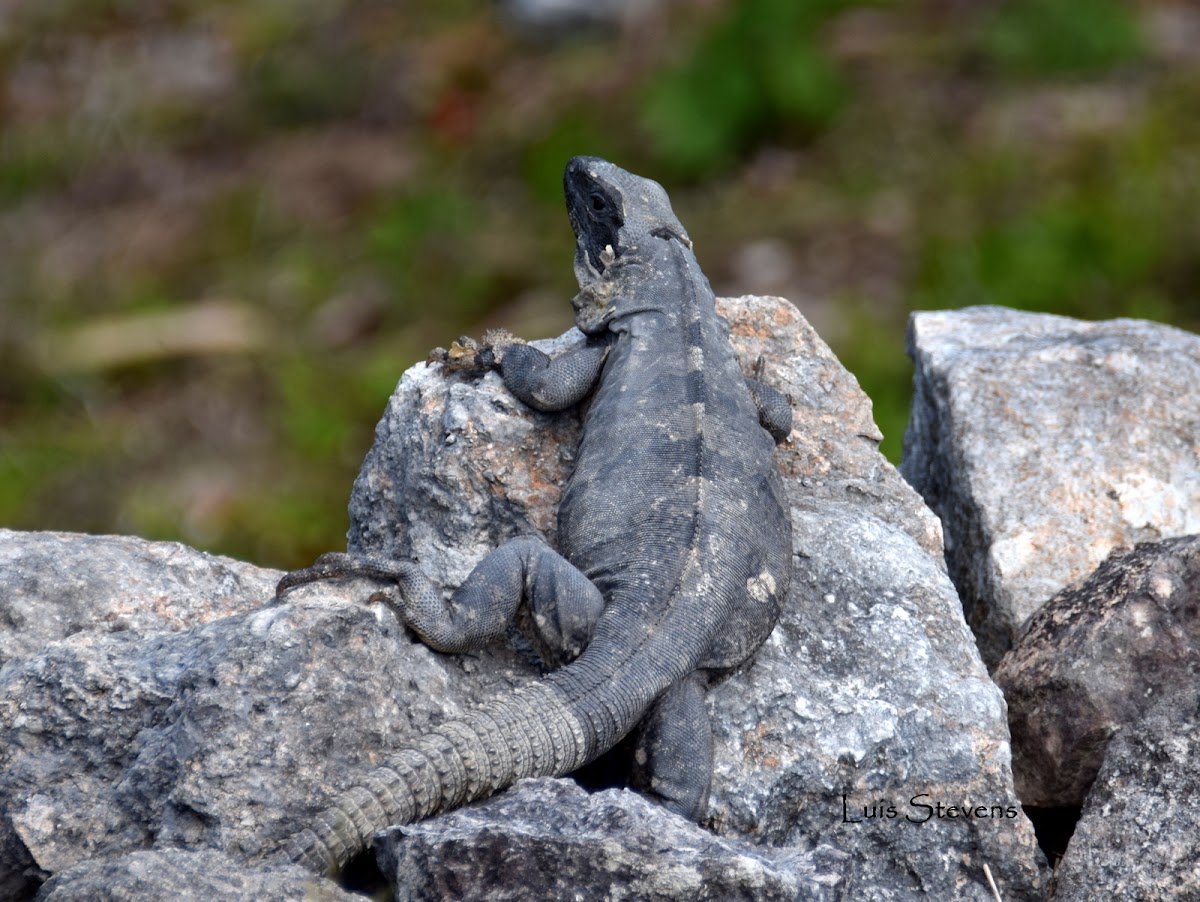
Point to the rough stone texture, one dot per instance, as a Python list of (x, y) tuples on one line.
[(1043, 443), (1139, 835), (457, 467), (549, 839), (57, 584), (1091, 661), (228, 734), (172, 875), (223, 735), (870, 687)]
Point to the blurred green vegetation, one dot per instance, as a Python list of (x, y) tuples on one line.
[(229, 227), (1044, 37), (758, 72)]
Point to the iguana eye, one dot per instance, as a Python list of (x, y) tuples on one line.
[(599, 204)]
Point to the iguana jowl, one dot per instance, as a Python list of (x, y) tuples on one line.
[(674, 535)]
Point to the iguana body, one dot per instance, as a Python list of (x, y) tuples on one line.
[(674, 536)]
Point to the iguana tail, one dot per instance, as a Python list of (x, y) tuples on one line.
[(531, 731)]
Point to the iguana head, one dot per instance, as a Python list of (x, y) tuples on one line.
[(614, 214)]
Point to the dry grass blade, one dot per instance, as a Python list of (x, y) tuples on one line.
[(207, 327), (987, 872)]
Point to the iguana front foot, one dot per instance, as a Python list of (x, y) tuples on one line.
[(466, 355)]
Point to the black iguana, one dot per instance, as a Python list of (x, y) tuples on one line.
[(674, 540)]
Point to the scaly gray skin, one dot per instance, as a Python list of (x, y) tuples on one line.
[(674, 536)]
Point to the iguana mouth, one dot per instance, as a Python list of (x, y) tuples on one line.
[(596, 210)]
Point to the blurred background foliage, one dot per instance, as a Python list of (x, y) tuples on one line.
[(227, 227)]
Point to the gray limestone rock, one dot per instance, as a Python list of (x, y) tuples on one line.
[(1139, 835), (870, 688), (53, 585), (174, 875), (1092, 660), (1043, 443), (222, 736), (549, 839), (230, 733)]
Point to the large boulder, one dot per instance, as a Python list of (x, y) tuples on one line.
[(1091, 661), (58, 584), (864, 748), (171, 875), (1139, 835), (549, 839), (870, 692), (218, 736), (1043, 443)]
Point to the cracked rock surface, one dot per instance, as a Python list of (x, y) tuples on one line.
[(1139, 835), (1093, 659)]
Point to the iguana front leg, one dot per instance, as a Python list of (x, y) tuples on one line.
[(543, 382), (774, 407)]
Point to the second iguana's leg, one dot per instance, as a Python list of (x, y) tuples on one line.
[(673, 756), (564, 604)]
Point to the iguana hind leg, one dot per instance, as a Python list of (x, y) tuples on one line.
[(673, 756), (563, 604)]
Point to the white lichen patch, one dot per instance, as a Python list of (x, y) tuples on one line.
[(762, 587)]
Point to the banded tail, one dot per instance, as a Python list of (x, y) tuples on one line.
[(535, 730)]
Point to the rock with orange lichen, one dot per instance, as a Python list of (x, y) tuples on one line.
[(870, 688)]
